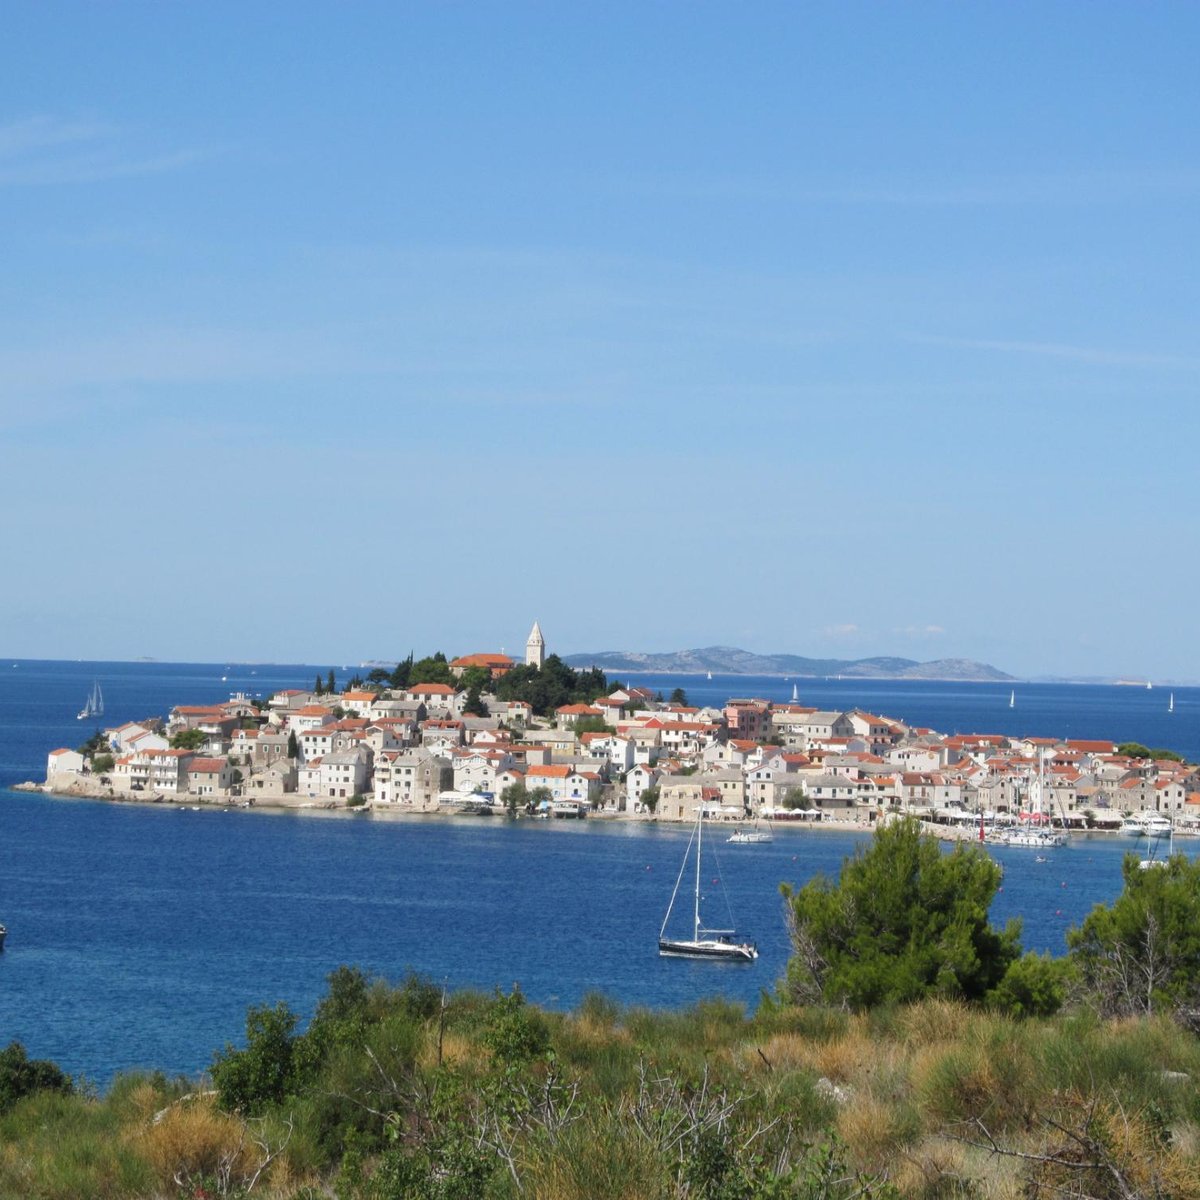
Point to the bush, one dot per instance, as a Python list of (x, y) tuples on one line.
[(1034, 985), (1141, 954), (904, 921), (514, 1032), (21, 1076), (263, 1073)]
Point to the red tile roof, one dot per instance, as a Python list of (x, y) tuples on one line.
[(207, 766)]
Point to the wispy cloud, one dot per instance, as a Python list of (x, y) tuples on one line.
[(921, 631), (840, 631), (1066, 188), (1064, 350), (178, 356), (42, 150)]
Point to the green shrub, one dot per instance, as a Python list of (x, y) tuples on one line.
[(1141, 954), (514, 1032), (263, 1073), (904, 921), (22, 1076), (1034, 985)]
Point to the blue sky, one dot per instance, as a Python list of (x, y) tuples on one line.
[(331, 331)]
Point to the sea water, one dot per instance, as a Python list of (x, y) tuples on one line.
[(139, 934)]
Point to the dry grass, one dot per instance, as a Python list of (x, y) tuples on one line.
[(876, 1130), (914, 1087), (598, 1160), (936, 1021), (193, 1140), (458, 1049)]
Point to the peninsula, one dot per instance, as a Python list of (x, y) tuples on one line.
[(483, 734)]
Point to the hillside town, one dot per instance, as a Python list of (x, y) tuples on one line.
[(459, 747)]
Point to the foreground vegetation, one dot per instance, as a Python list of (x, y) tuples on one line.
[(911, 1051), (400, 1092)]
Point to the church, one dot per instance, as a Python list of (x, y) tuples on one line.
[(501, 664)]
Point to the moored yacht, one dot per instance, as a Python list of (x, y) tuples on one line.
[(704, 943)]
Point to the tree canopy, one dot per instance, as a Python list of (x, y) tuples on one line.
[(551, 686), (434, 669), (21, 1076), (905, 920), (1141, 954), (1137, 750)]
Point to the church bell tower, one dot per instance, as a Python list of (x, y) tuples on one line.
[(535, 648)]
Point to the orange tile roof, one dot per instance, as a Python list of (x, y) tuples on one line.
[(207, 766), (483, 660)]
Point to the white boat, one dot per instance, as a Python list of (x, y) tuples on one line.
[(1034, 831), (1171, 703), (710, 674), (1012, 699), (795, 693), (1149, 685), (1132, 827), (1038, 839), (1155, 861), (704, 942), (94, 707), (750, 837)]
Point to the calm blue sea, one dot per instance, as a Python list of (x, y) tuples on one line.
[(139, 935)]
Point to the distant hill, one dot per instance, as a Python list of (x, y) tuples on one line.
[(728, 660)]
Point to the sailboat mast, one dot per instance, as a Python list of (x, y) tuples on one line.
[(699, 843)]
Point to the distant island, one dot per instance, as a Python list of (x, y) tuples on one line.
[(729, 660)]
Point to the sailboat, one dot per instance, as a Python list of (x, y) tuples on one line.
[(795, 693), (1153, 861), (704, 943), (1032, 832), (94, 707), (710, 674), (1012, 699), (1171, 703)]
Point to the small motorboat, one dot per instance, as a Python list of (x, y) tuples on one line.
[(3, 933)]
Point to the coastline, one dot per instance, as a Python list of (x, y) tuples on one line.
[(83, 790), (316, 808)]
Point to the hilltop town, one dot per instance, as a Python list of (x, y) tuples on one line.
[(468, 743)]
